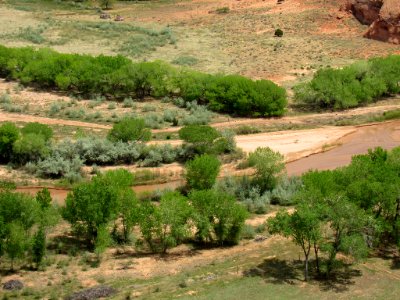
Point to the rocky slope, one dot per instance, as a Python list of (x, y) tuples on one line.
[(383, 16)]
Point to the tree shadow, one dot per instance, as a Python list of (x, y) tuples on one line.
[(277, 271), (392, 253), (395, 263), (339, 280), (65, 244)]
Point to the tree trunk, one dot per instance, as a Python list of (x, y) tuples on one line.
[(306, 269), (306, 255), (317, 258)]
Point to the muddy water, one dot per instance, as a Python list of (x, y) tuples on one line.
[(385, 135)]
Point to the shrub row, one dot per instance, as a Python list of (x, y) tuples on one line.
[(358, 84), (118, 77)]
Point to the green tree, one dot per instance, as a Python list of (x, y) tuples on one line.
[(103, 240), (200, 137), (9, 134), (166, 225), (31, 147), (15, 243), (43, 197), (107, 4), (129, 129), (347, 223), (303, 227), (270, 167), (202, 172), (218, 215), (128, 207), (38, 128), (94, 204), (175, 213), (39, 246)]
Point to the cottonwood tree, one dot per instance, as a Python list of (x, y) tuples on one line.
[(303, 227), (269, 165), (202, 172)]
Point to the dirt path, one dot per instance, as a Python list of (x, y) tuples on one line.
[(5, 116)]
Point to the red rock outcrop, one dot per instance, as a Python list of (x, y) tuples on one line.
[(366, 11), (382, 15)]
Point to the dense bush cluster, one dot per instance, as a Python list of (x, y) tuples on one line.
[(358, 84), (118, 77)]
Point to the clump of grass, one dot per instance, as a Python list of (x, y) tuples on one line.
[(246, 129), (146, 40), (5, 98), (223, 10), (185, 61), (33, 35), (128, 102), (148, 108)]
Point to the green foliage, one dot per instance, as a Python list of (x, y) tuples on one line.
[(93, 204), (129, 130), (20, 215), (358, 84), (270, 168), (218, 217), (118, 77), (202, 172), (167, 224), (222, 10), (15, 244), (279, 32), (107, 4), (185, 61), (39, 129), (38, 247), (43, 197), (9, 134), (103, 240), (303, 226), (30, 147), (200, 138)]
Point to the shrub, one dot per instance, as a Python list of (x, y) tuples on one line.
[(279, 32), (218, 217), (166, 225), (358, 84), (185, 61), (246, 129), (129, 129), (38, 129), (200, 137), (222, 10), (9, 133), (30, 148), (269, 167), (128, 102), (91, 205), (202, 172), (56, 166)]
